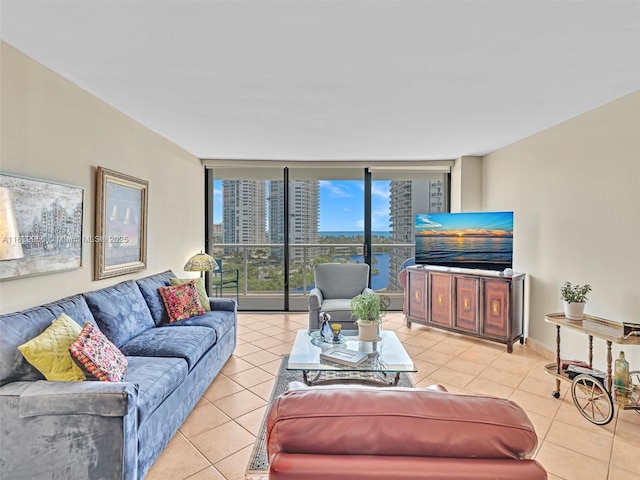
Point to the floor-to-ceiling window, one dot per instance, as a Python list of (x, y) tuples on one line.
[(326, 223), (273, 223)]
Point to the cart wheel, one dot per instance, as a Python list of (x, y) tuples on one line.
[(591, 399), (556, 394), (634, 378)]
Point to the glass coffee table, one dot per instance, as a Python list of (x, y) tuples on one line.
[(387, 359)]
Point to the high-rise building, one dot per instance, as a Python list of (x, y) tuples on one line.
[(406, 198), (245, 211), (304, 209)]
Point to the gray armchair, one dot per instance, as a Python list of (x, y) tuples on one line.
[(335, 285)]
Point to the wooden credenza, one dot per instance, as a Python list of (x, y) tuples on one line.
[(479, 303)]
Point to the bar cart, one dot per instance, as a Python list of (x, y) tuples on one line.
[(590, 389)]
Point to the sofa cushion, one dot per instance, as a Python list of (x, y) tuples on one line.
[(98, 356), (16, 329), (181, 301), (49, 351), (220, 321), (75, 307), (149, 289), (202, 292), (187, 342), (409, 422), (120, 311), (156, 378)]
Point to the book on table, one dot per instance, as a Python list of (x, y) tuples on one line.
[(344, 356)]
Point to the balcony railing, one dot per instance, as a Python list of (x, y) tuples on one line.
[(261, 266)]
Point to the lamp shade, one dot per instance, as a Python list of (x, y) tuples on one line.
[(10, 246), (200, 262)]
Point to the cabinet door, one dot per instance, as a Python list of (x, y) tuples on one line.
[(495, 321), (440, 298), (416, 292), (466, 305)]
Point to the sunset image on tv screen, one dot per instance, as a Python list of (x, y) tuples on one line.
[(481, 240)]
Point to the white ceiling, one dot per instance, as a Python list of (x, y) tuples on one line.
[(337, 79)]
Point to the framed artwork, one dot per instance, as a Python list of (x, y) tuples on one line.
[(49, 221), (121, 224)]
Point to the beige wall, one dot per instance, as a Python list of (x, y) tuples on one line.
[(466, 185), (52, 130), (575, 193)]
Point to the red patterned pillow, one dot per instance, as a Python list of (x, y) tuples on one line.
[(98, 356), (181, 301)]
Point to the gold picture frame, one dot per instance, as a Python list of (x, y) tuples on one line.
[(121, 224)]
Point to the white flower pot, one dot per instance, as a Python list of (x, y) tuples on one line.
[(573, 310), (368, 332)]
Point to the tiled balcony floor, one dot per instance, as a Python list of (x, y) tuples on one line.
[(215, 442)]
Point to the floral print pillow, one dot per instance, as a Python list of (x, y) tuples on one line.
[(98, 356), (181, 301)]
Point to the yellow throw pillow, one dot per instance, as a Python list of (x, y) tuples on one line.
[(202, 292), (49, 351)]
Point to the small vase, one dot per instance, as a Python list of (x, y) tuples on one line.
[(573, 310), (368, 332)]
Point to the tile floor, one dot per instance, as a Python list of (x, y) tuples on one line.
[(216, 440)]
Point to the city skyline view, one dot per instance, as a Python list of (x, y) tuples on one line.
[(341, 205), (252, 212)]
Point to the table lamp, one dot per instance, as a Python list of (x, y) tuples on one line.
[(201, 262)]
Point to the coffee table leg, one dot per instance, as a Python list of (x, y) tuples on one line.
[(310, 381)]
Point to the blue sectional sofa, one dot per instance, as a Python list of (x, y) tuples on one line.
[(108, 430)]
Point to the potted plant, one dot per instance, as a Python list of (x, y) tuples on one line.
[(368, 310), (574, 298)]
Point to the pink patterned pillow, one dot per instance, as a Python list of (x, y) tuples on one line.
[(181, 301), (98, 356)]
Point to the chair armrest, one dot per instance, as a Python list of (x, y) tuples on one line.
[(224, 304), (108, 399), (315, 299)]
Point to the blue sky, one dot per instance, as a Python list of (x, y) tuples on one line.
[(471, 223), (341, 205)]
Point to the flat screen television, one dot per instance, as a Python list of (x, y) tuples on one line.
[(481, 240)]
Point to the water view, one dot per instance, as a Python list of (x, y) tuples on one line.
[(465, 252)]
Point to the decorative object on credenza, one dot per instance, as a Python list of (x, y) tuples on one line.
[(41, 226), (121, 224), (201, 262), (574, 298), (9, 248), (369, 309)]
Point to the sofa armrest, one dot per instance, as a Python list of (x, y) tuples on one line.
[(224, 304), (315, 299), (108, 399)]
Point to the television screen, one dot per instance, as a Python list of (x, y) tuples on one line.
[(482, 240)]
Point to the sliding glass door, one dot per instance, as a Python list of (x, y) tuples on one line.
[(326, 223), (274, 223), (240, 235), (407, 193)]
